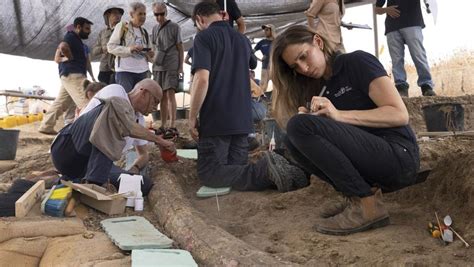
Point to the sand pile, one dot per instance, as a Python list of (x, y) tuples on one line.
[(278, 227)]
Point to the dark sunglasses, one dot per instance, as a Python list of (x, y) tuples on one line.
[(159, 14)]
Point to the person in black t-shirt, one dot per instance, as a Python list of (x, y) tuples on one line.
[(72, 71), (221, 97), (352, 130), (265, 46), (403, 26), (233, 14)]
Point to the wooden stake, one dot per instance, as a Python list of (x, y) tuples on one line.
[(459, 236), (439, 226), (28, 200)]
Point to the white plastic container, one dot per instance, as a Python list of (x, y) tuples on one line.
[(139, 202)]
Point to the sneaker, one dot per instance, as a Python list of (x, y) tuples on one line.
[(360, 215), (285, 176), (427, 90), (402, 89), (253, 143)]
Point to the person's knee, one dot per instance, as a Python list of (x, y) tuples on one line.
[(298, 124), (306, 124)]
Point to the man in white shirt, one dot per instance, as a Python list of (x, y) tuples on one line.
[(75, 154)]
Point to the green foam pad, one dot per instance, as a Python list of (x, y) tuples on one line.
[(135, 232), (187, 153), (162, 257), (205, 191)]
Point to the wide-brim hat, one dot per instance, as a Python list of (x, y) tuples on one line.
[(109, 8), (271, 27)]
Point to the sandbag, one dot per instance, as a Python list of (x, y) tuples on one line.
[(22, 251), (80, 251), (34, 227)]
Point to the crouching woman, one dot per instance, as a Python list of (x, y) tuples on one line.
[(351, 129)]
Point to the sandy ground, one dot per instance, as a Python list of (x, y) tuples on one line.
[(281, 224)]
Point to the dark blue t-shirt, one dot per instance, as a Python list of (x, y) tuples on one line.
[(79, 62), (348, 89), (410, 14), (190, 52), (265, 47), (226, 54)]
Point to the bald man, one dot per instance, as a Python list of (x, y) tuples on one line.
[(112, 121)]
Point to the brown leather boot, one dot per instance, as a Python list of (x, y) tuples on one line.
[(360, 215), (334, 208)]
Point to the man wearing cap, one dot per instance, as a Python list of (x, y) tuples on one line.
[(265, 46), (112, 16), (72, 71)]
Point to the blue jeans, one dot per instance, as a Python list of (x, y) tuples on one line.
[(413, 38), (259, 111), (129, 79)]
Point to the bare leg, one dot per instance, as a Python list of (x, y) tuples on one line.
[(173, 107), (164, 109)]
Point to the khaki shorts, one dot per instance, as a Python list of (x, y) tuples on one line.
[(166, 79)]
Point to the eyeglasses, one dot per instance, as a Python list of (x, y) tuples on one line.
[(159, 14)]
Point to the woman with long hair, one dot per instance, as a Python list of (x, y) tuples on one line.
[(352, 128)]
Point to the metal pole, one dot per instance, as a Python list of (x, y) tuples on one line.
[(376, 31)]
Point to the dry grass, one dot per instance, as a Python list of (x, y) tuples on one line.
[(453, 76)]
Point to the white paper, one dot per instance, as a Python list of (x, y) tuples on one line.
[(130, 183)]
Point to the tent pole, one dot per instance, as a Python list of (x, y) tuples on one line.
[(376, 31)]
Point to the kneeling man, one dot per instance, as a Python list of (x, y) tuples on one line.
[(109, 125)]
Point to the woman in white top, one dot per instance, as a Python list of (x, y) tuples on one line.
[(130, 45)]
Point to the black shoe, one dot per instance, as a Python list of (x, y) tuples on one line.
[(402, 89), (285, 176), (253, 143), (427, 90)]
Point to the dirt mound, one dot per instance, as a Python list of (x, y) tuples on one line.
[(277, 228), (281, 224)]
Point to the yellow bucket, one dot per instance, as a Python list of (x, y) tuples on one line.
[(21, 119), (3, 124), (32, 118), (10, 121)]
